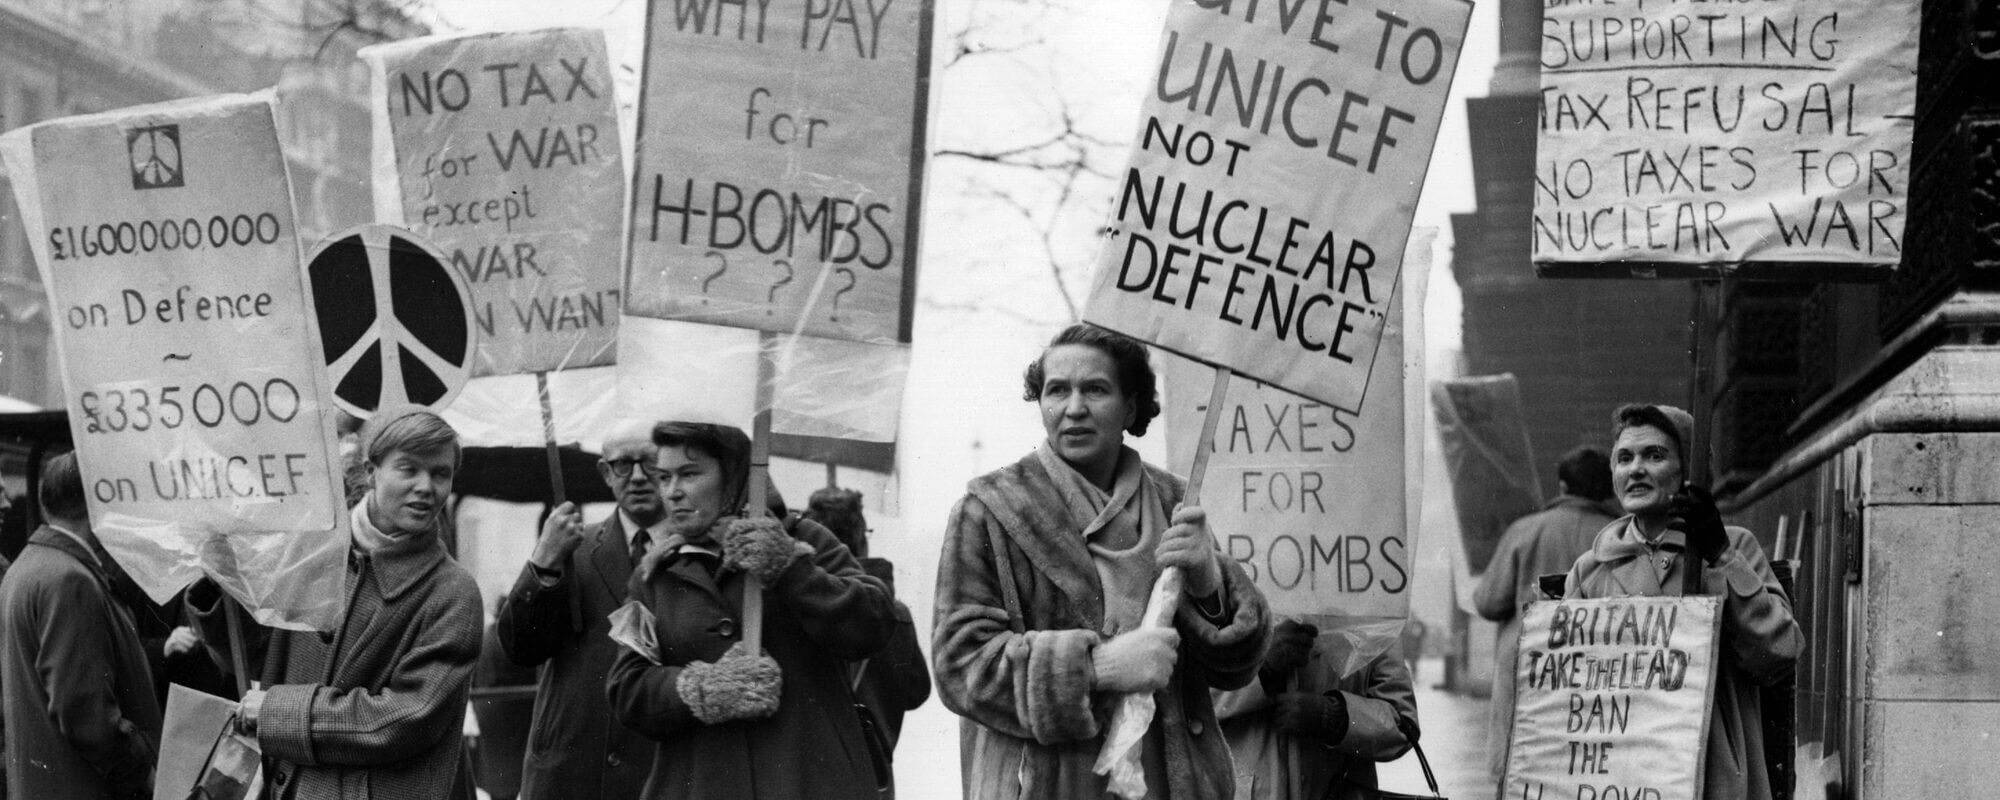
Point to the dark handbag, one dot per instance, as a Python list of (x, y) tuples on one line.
[(1410, 732), (876, 738), (230, 771)]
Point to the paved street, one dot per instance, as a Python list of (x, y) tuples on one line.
[(1454, 739)]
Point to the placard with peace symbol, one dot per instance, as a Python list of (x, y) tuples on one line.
[(394, 318)]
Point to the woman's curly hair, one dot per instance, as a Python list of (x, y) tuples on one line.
[(1135, 373)]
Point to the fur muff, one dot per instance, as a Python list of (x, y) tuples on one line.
[(760, 547), (740, 685)]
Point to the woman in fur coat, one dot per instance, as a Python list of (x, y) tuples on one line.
[(776, 725), (1043, 580)]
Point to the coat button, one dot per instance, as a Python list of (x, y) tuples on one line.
[(613, 760), (726, 628), (1195, 727)]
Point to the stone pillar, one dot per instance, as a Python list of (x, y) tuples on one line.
[(1519, 70)]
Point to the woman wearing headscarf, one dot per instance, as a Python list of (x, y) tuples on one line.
[(1670, 528), (1045, 574), (776, 725)]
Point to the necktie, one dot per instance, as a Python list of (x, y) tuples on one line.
[(640, 542)]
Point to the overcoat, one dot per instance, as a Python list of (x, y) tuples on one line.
[(1032, 722), (375, 710), (82, 721), (821, 613), (1760, 640), (575, 748), (1546, 542), (1372, 678)]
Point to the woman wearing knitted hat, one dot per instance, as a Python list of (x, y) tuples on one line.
[(774, 725), (1671, 527)]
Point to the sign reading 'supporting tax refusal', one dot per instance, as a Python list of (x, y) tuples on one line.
[(1261, 221), (1679, 140)]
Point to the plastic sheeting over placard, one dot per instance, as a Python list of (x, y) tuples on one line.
[(708, 373), (502, 148), (167, 240), (1494, 477)]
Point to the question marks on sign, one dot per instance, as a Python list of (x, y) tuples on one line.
[(723, 266), (772, 296), (851, 280)]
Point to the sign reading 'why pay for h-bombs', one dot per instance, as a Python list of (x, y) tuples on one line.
[(1261, 222), (780, 160), (503, 150), (1613, 699), (166, 239), (1679, 138)]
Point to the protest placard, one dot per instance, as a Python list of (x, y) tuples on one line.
[(502, 149), (1678, 140), (1614, 699), (165, 236), (1494, 477), (1313, 501), (1261, 221), (780, 165)]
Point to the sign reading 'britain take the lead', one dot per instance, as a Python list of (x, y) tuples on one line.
[(1261, 222), (1680, 139), (166, 239), (502, 148), (1613, 699), (780, 162)]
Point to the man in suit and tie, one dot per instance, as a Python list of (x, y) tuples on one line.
[(556, 613)]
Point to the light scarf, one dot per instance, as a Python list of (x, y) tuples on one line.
[(1120, 528), (368, 538)]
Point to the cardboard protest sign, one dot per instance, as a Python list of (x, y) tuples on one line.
[(780, 163), (1314, 501), (165, 236), (1771, 137), (1261, 221), (1614, 698), (1494, 477), (502, 149)]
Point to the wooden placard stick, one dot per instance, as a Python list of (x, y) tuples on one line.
[(760, 481), (1165, 599), (557, 494)]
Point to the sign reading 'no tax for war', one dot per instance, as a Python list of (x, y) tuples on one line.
[(1261, 222), (1680, 139), (1613, 699), (780, 163), (166, 239), (503, 151)]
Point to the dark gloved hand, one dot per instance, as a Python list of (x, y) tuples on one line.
[(1291, 644), (1322, 716), (1693, 513)]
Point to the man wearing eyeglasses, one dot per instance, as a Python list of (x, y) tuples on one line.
[(556, 615)]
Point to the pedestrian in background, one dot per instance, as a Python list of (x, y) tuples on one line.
[(556, 618), (375, 709), (1669, 529), (1044, 578), (895, 680), (75, 689), (1326, 707), (1545, 542), (776, 725)]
